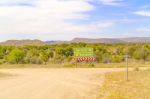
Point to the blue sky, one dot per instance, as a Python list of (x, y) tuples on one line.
[(67, 19)]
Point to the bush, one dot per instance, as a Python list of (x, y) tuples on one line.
[(69, 59), (44, 57), (91, 65), (15, 56), (1, 63), (68, 65), (117, 59)]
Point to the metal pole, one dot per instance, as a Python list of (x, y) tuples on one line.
[(127, 68), (76, 64)]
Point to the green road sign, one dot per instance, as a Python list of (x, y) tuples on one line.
[(83, 52)]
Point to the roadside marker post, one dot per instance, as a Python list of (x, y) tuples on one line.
[(127, 67), (84, 54)]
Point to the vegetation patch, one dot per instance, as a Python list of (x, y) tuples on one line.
[(107, 55), (63, 53), (116, 86)]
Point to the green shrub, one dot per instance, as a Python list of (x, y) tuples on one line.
[(15, 56), (117, 59), (1, 63), (69, 59), (91, 65), (68, 65)]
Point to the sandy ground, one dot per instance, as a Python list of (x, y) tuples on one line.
[(52, 83)]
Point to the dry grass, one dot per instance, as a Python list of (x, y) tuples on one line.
[(78, 65), (116, 86), (31, 66), (4, 75), (123, 64)]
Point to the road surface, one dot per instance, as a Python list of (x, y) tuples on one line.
[(52, 83)]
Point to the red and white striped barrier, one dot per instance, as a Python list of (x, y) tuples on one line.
[(85, 59)]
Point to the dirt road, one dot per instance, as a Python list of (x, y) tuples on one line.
[(52, 83)]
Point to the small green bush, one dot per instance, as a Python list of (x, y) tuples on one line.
[(1, 63), (68, 65), (91, 65)]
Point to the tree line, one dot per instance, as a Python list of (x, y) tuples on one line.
[(61, 53)]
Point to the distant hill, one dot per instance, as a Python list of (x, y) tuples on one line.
[(112, 40), (101, 40), (22, 42), (136, 40), (56, 42), (78, 40)]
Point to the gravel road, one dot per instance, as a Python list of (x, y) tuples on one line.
[(52, 83)]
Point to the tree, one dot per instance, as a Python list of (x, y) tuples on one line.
[(65, 51), (44, 57), (2, 52), (106, 58), (117, 58), (32, 56), (15, 56), (142, 53)]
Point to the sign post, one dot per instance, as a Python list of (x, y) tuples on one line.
[(127, 70), (84, 54)]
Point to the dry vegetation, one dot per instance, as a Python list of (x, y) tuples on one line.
[(4, 75), (77, 65), (64, 53), (116, 86)]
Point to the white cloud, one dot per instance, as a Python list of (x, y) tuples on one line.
[(145, 6), (14, 1), (127, 20), (89, 28), (143, 13), (143, 30), (47, 16), (111, 2)]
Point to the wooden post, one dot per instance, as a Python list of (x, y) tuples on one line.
[(127, 70), (127, 67)]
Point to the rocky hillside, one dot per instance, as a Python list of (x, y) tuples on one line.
[(101, 40), (22, 42), (78, 40)]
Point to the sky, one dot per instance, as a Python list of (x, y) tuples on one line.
[(67, 19)]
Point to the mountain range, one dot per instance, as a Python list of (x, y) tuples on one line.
[(22, 42), (78, 40)]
